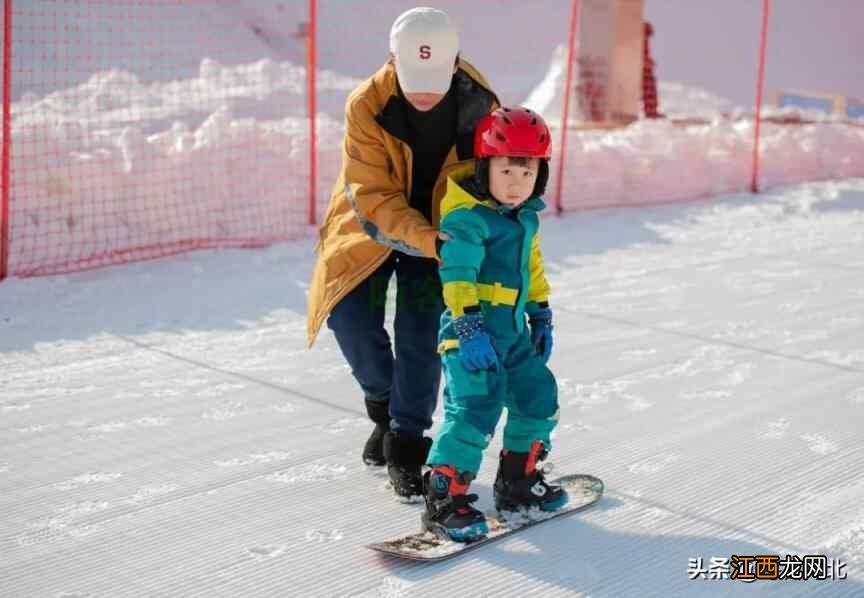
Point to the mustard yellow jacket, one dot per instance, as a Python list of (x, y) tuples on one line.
[(369, 213)]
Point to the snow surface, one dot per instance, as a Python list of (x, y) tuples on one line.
[(164, 432)]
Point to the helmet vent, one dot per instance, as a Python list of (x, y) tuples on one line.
[(512, 131)]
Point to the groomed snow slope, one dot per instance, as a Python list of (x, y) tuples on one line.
[(164, 432)]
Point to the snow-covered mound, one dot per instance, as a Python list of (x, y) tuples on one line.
[(108, 100), (658, 161), (131, 152), (676, 99), (703, 148), (115, 164), (686, 101)]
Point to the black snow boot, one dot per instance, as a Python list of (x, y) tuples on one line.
[(520, 484), (449, 513), (373, 451), (406, 454)]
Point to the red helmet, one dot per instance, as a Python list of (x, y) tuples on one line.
[(512, 131)]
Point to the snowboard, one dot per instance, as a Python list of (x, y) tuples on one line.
[(584, 491)]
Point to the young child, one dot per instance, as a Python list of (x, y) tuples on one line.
[(493, 279)]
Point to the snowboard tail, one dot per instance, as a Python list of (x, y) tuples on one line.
[(584, 491)]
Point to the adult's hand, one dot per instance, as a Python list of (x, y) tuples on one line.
[(439, 242)]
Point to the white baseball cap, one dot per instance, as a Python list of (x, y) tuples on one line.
[(424, 44)]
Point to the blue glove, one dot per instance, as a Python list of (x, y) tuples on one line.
[(541, 332), (475, 345)]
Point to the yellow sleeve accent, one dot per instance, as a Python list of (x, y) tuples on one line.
[(448, 344), (538, 286), (458, 295), (496, 294)]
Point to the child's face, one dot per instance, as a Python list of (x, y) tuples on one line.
[(511, 180)]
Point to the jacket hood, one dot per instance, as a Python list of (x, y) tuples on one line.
[(459, 196)]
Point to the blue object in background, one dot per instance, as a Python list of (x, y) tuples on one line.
[(854, 108), (792, 100)]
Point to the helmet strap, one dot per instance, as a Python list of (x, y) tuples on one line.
[(542, 178), (481, 176)]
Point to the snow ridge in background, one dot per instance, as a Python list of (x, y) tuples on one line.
[(676, 99), (115, 158), (263, 89), (142, 146)]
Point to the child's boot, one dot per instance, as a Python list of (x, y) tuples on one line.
[(520, 484), (449, 513)]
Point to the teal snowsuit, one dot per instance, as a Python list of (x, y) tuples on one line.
[(493, 260)]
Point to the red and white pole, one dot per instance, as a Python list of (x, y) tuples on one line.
[(760, 86), (568, 88), (6, 156)]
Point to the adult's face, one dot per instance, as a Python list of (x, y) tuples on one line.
[(424, 101)]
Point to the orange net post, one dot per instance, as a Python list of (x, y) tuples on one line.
[(571, 48), (4, 156), (760, 87)]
